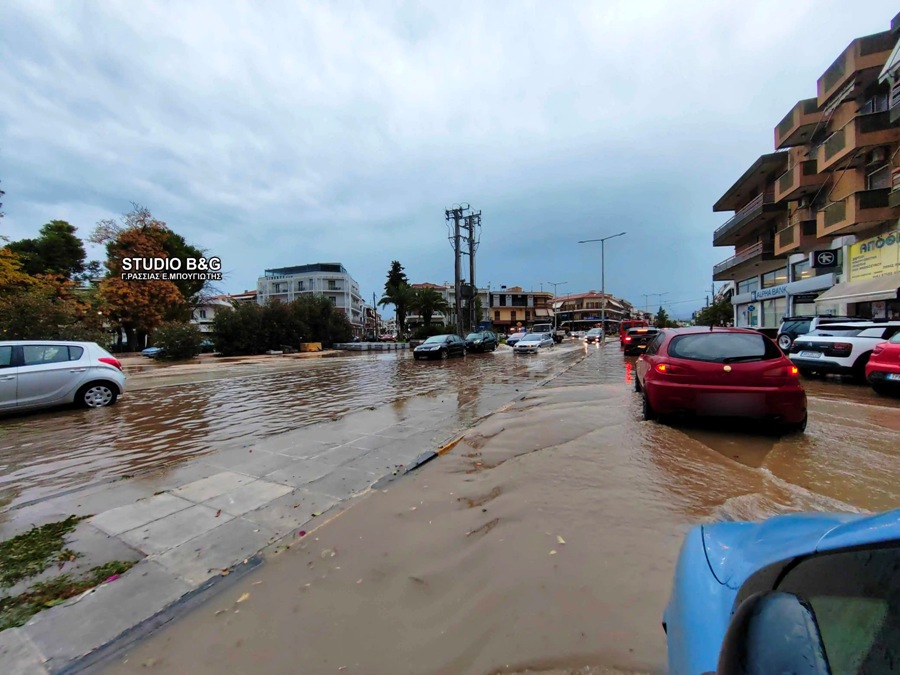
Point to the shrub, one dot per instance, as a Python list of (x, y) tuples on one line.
[(177, 340)]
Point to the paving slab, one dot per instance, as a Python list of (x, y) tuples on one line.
[(292, 511), (73, 629), (124, 518), (18, 655), (401, 431), (206, 556), (343, 482), (342, 454), (256, 463), (207, 488), (328, 432), (175, 529), (371, 442), (301, 473), (248, 497)]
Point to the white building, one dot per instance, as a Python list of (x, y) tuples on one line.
[(413, 319), (331, 280), (205, 312)]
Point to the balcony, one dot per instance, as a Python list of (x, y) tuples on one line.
[(856, 212), (797, 126), (894, 196), (861, 60), (798, 235), (752, 215), (865, 131), (757, 258), (802, 179)]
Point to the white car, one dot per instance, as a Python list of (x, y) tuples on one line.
[(46, 373), (842, 349), (533, 342)]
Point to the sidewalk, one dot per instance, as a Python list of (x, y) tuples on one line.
[(526, 549), (200, 526)]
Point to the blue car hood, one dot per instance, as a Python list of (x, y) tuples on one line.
[(737, 550)]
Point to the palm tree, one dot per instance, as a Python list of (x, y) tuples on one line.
[(402, 297), (427, 301)]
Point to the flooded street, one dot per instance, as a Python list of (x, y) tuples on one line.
[(45, 453), (545, 541)]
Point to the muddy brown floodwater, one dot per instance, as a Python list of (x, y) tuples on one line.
[(44, 453), (544, 542)]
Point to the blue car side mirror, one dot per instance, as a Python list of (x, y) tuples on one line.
[(773, 633)]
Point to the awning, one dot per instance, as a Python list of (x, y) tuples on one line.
[(542, 312), (870, 290)]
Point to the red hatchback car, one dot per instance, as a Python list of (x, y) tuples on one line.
[(883, 367), (726, 372)]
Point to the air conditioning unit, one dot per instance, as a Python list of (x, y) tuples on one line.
[(877, 156)]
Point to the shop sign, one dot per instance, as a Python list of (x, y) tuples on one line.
[(774, 292), (823, 259), (875, 257)]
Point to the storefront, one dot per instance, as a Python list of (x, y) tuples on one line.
[(874, 280)]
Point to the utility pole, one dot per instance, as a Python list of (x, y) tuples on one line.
[(471, 223)]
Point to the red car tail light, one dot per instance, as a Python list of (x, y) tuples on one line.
[(111, 361), (666, 368), (879, 348), (782, 371), (628, 339)]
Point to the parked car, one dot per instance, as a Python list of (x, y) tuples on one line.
[(578, 334), (637, 339), (44, 373), (628, 324), (723, 372), (814, 593), (594, 335), (515, 337), (152, 352), (440, 347), (883, 367), (793, 327), (532, 343), (841, 349), (483, 341)]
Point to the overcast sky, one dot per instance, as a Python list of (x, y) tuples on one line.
[(285, 133)]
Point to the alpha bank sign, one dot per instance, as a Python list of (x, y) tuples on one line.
[(823, 259), (766, 293)]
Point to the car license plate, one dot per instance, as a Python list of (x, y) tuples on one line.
[(893, 376), (810, 355), (726, 404)]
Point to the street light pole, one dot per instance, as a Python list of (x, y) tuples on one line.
[(602, 275)]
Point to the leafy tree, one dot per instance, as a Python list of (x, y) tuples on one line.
[(426, 301), (401, 297), (239, 330), (12, 276), (395, 277), (55, 251), (178, 340), (662, 320), (139, 306), (50, 309), (720, 313)]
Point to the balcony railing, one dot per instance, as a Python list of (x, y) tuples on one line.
[(742, 256), (835, 143), (835, 72), (835, 213), (786, 236), (753, 208), (786, 124)]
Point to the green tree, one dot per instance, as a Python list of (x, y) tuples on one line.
[(50, 309), (395, 277), (401, 297), (55, 251), (426, 301), (178, 340), (239, 330), (720, 313), (662, 319)]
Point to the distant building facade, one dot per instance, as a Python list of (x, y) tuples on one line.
[(330, 280)]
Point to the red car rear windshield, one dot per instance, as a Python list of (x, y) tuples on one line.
[(723, 347)]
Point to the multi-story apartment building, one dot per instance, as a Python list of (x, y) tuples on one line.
[(512, 308), (330, 280), (246, 296), (815, 224), (413, 319), (582, 311)]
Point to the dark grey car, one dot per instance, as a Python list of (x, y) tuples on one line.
[(481, 341), (440, 347)]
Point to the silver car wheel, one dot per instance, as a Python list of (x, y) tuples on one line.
[(98, 396), (784, 341)]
